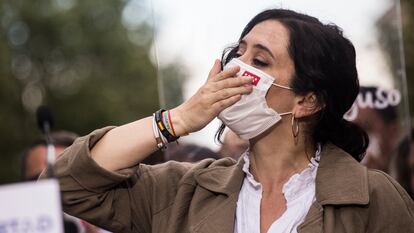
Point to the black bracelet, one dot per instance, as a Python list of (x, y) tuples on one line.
[(162, 128)]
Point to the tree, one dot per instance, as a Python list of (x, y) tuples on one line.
[(83, 59)]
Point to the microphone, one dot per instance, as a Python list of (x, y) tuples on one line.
[(44, 119), (45, 124)]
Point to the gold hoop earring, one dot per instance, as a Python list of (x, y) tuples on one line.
[(295, 127)]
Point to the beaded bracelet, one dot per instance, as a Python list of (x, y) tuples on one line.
[(162, 126), (167, 122)]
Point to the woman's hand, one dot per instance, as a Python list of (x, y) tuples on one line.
[(220, 91)]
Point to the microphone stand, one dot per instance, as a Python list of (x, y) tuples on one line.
[(51, 152), (45, 121)]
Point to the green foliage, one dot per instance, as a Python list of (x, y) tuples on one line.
[(78, 57)]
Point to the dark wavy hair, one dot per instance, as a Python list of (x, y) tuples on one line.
[(324, 63)]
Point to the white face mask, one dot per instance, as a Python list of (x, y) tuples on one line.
[(251, 116)]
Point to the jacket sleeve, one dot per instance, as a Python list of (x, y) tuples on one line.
[(391, 208), (119, 201)]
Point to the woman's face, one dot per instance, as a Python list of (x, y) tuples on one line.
[(266, 48)]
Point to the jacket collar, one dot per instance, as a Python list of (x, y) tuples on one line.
[(225, 179), (340, 178), (223, 176)]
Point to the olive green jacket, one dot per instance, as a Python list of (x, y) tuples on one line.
[(202, 197)]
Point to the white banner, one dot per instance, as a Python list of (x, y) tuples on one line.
[(31, 207)]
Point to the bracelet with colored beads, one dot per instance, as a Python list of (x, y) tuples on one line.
[(165, 126)]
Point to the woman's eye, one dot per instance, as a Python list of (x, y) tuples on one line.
[(258, 62)]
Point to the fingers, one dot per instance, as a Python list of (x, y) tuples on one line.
[(232, 82), (227, 73), (216, 74), (231, 92), (221, 90), (215, 70), (222, 104)]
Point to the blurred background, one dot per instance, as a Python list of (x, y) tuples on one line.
[(98, 63), (89, 61)]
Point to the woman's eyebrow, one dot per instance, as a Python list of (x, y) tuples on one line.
[(258, 46)]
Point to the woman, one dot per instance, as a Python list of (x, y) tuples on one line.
[(300, 174)]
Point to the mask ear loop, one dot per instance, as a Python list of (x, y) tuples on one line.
[(295, 124), (285, 113), (281, 86)]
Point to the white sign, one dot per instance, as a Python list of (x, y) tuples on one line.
[(31, 207), (379, 99)]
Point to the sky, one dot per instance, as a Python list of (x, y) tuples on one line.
[(195, 33)]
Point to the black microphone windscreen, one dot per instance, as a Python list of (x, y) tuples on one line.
[(44, 117)]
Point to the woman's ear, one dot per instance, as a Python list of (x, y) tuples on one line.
[(307, 105)]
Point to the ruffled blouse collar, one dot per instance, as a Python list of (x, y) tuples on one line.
[(297, 184)]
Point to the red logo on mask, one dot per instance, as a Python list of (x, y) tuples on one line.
[(255, 80)]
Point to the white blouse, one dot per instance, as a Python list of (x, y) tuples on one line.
[(299, 192)]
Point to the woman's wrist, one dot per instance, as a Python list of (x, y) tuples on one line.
[(178, 122)]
